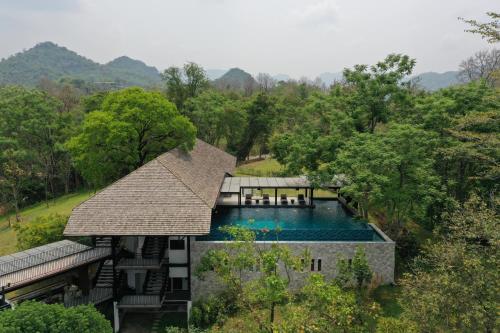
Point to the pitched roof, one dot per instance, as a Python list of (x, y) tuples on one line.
[(171, 195)]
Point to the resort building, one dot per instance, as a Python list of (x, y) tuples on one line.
[(149, 230)]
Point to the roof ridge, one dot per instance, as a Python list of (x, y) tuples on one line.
[(182, 181)]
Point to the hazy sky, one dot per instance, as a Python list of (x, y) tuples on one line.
[(296, 37)]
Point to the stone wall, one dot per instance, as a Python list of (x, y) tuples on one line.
[(380, 256)]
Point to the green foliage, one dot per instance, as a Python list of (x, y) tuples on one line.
[(356, 271), (253, 277), (210, 311), (184, 83), (217, 118), (42, 230), (396, 325), (260, 113), (377, 89), (328, 308), (392, 170), (487, 30), (55, 318), (461, 265), (32, 157), (131, 128)]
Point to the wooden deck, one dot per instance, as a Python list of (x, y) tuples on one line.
[(140, 301)]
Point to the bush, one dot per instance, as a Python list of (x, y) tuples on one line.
[(40, 231), (213, 310), (395, 325), (53, 318)]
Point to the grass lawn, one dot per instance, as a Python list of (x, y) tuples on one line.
[(62, 205), (265, 168), (271, 168)]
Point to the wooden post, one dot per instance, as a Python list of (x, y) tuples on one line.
[(276, 196)]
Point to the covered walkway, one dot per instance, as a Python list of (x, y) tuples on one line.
[(27, 267)]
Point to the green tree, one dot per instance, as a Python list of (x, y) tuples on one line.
[(391, 170), (453, 286), (488, 30), (254, 277), (260, 114), (32, 131), (131, 128), (329, 308), (216, 118), (54, 318), (184, 83), (375, 89), (356, 271), (42, 230)]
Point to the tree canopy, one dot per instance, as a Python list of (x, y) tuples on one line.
[(131, 127)]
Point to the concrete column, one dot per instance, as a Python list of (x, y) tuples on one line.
[(116, 317)]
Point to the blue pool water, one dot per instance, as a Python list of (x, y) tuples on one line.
[(328, 221)]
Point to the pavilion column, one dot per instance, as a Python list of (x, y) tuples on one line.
[(275, 196)]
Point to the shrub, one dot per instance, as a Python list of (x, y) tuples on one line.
[(40, 231), (53, 318)]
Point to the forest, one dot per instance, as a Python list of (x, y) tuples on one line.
[(424, 166)]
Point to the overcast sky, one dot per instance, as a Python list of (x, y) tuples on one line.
[(296, 37)]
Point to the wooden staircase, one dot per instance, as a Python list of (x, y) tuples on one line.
[(155, 282), (105, 275)]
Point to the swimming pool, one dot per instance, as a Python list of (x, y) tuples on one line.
[(328, 221)]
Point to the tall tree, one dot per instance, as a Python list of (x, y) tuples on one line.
[(375, 88), (184, 83), (131, 128), (260, 113)]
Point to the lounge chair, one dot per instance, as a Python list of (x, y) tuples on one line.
[(284, 200), (248, 199), (265, 199), (301, 199)]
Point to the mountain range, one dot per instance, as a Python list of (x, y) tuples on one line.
[(48, 60), (54, 62)]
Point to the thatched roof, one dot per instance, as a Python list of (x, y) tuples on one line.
[(171, 195)]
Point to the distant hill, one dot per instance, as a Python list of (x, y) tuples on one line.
[(214, 74), (434, 81), (281, 77), (48, 60), (329, 78), (235, 79)]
